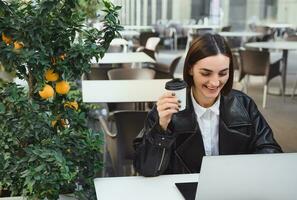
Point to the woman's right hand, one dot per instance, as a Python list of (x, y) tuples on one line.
[(167, 105)]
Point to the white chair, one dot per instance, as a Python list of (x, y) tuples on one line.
[(118, 42), (149, 48), (151, 44)]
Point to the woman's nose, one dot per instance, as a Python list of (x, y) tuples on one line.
[(214, 82)]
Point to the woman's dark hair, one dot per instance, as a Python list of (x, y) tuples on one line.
[(205, 46)]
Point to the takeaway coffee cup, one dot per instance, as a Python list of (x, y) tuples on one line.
[(178, 86)]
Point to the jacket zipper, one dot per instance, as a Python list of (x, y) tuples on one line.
[(162, 158)]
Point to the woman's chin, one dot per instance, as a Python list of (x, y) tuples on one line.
[(211, 94)]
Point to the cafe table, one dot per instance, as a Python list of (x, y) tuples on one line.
[(130, 57), (138, 27), (279, 25), (129, 33), (202, 26), (144, 188), (239, 34)]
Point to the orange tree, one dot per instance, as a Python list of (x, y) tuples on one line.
[(46, 147)]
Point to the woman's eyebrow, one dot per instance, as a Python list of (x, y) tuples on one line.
[(204, 69), (224, 69), (208, 70)]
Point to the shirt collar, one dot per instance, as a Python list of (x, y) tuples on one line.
[(215, 108)]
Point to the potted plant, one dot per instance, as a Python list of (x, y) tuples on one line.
[(46, 147)]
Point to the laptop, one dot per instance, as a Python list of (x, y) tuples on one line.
[(247, 177)]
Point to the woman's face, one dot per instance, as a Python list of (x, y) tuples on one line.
[(210, 74)]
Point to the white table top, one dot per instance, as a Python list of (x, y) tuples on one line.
[(283, 45), (131, 57), (129, 33), (197, 26), (123, 90), (279, 25), (240, 34), (137, 27), (144, 188)]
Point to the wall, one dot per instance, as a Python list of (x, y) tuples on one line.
[(286, 12)]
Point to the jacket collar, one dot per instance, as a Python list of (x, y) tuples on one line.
[(232, 112)]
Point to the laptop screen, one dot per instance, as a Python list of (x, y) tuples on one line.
[(245, 177)]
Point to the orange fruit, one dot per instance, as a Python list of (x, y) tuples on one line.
[(72, 105), (65, 123), (46, 92), (62, 56), (53, 123), (50, 75), (6, 39), (18, 45), (62, 87)]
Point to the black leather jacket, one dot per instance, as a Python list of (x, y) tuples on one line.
[(179, 149)]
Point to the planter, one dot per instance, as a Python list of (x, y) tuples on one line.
[(62, 197)]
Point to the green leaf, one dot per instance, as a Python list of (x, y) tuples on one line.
[(2, 108)]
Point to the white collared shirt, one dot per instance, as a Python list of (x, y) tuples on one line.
[(208, 121)]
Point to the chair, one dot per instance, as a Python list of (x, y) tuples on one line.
[(291, 38), (152, 43), (98, 72), (234, 42), (226, 28), (128, 74), (192, 35), (177, 31), (119, 146), (236, 63), (164, 71), (143, 37), (169, 37), (150, 47), (149, 52), (118, 45), (160, 28), (257, 63), (289, 32), (268, 33), (295, 88)]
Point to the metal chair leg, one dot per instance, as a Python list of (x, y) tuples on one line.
[(294, 89), (264, 97)]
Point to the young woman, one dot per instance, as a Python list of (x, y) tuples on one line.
[(217, 120)]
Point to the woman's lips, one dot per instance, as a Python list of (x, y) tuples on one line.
[(212, 89)]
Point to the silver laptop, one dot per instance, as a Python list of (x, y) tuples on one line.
[(248, 177)]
